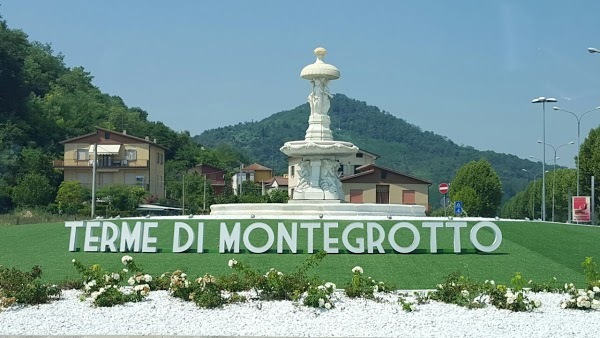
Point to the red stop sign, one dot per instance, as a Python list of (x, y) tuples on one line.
[(444, 187)]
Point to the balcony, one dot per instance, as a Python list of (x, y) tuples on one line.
[(113, 164)]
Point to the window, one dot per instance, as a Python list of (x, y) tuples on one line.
[(383, 174), (106, 136), (356, 168), (131, 154), (408, 197), (139, 180), (359, 155), (382, 194), (356, 196), (292, 169), (83, 154)]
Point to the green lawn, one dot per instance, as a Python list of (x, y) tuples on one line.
[(538, 250)]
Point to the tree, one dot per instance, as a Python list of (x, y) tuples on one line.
[(477, 182), (71, 195), (527, 203), (121, 199), (33, 190)]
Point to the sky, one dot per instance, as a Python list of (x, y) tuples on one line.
[(467, 70)]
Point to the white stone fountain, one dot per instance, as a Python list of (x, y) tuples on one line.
[(318, 179), (319, 190)]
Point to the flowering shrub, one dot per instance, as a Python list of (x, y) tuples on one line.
[(582, 299), (592, 274), (206, 293), (364, 287), (460, 290), (104, 286), (179, 286), (407, 305), (275, 285), (22, 287), (319, 296)]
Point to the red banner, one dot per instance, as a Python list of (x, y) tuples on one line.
[(581, 209)]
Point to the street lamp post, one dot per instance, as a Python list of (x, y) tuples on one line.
[(593, 50), (578, 118), (554, 169), (543, 101)]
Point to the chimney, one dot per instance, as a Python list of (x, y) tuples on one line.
[(154, 140), (124, 131), (147, 138)]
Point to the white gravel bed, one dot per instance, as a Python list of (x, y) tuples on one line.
[(161, 314)]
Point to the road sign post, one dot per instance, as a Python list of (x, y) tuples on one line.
[(458, 206)]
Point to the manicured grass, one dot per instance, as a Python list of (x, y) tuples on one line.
[(538, 250)]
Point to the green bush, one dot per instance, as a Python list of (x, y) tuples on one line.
[(22, 287)]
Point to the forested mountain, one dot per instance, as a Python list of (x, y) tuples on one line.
[(401, 145)]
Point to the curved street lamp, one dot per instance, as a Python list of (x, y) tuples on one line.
[(554, 170), (578, 118), (593, 50), (543, 101)]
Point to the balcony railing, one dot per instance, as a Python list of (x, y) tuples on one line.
[(61, 164)]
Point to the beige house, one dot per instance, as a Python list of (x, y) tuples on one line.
[(255, 172), (365, 182), (120, 159), (377, 184)]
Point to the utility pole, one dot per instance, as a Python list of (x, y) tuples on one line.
[(94, 181), (183, 196)]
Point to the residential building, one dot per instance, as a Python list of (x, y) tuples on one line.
[(254, 172), (120, 159), (377, 184), (215, 175), (276, 183)]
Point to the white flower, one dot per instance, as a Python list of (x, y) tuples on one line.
[(596, 289), (73, 260), (232, 263), (358, 270), (125, 270), (279, 273), (126, 259), (147, 278), (101, 290), (328, 306), (537, 303), (510, 300), (330, 285), (321, 302), (492, 282), (183, 275), (413, 307), (92, 282), (115, 276), (95, 295), (583, 301), (440, 286), (131, 281), (563, 305), (375, 288), (186, 283), (321, 287), (595, 304), (464, 293)]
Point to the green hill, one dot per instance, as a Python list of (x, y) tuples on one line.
[(401, 145)]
